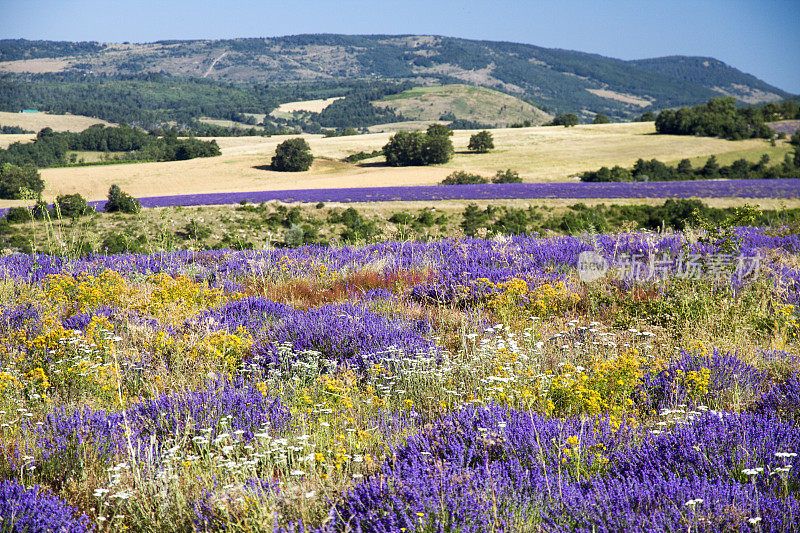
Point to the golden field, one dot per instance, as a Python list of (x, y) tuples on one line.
[(539, 154), (37, 121)]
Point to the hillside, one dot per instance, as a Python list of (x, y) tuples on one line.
[(552, 79), (710, 72), (466, 102)]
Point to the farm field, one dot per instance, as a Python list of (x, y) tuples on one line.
[(315, 106), (541, 154), (487, 384), (36, 121)]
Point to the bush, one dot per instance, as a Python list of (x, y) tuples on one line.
[(600, 118), (118, 243), (196, 231), (119, 201), (292, 155), (294, 236), (14, 179), (481, 142), (16, 215), (72, 206), (461, 177), (360, 156), (401, 218), (507, 176)]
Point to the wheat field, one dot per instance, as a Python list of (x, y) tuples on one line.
[(539, 154), (37, 121)]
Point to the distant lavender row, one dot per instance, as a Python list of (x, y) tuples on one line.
[(776, 188), (786, 126), (713, 189)]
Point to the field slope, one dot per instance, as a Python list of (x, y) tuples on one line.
[(467, 102)]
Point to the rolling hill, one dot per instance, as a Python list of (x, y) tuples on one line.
[(553, 80), (466, 102)]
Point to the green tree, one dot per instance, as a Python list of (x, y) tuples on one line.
[(481, 142), (439, 130), (566, 120), (685, 167), (601, 118), (72, 206), (473, 219), (647, 116), (437, 149), (416, 148), (711, 168), (14, 178), (404, 149), (292, 155)]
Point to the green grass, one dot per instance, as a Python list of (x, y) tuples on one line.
[(468, 102)]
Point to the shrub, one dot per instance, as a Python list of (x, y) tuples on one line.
[(401, 218), (18, 215), (119, 201), (72, 206), (601, 118), (360, 156), (196, 231), (481, 142), (294, 236), (292, 155), (507, 176), (118, 243), (461, 177), (14, 179)]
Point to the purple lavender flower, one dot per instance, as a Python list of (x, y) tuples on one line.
[(496, 468), (63, 435), (252, 314), (33, 510), (782, 399), (348, 334), (670, 387)]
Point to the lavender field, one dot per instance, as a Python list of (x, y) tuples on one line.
[(681, 189), (767, 188), (457, 385)]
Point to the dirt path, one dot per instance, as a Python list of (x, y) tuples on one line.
[(211, 66)]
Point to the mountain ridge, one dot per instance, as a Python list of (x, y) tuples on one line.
[(552, 79)]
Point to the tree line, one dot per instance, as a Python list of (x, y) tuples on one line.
[(52, 148), (655, 170), (720, 117)]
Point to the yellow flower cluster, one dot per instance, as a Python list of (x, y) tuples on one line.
[(584, 461), (510, 297), (605, 386), (695, 382)]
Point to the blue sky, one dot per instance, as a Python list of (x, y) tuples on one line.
[(759, 37)]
